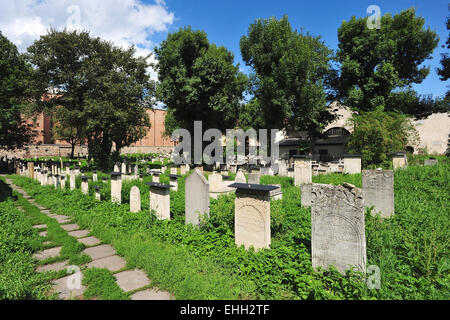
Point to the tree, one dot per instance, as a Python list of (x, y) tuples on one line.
[(377, 134), (290, 69), (374, 62), (98, 91), (198, 82), (14, 82), (444, 71)]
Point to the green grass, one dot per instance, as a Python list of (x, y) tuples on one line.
[(101, 284), (411, 248)]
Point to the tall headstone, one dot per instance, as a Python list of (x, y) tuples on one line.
[(338, 227), (84, 185), (135, 200), (196, 197), (94, 176), (183, 170), (352, 163), (302, 170), (252, 215), (174, 181), (254, 178), (306, 192), (97, 193), (282, 169), (240, 177), (378, 191), (116, 187), (72, 180), (160, 200), (399, 160), (31, 170), (124, 168)]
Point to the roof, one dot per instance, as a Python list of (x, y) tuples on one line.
[(291, 142), (333, 140)]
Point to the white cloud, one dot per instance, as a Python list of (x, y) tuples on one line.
[(124, 22)]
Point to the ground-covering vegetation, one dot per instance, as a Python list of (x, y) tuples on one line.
[(411, 249)]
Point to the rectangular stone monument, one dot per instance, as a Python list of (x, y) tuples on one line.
[(173, 170), (135, 200), (160, 200), (252, 215), (116, 187), (352, 163), (174, 181), (196, 197), (183, 170), (124, 168), (282, 169), (155, 177), (378, 191), (430, 162), (94, 176), (338, 227), (63, 182), (84, 185), (306, 190), (399, 160), (254, 178), (302, 170), (215, 182), (97, 193), (72, 180)]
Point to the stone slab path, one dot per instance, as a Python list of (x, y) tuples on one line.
[(102, 255)]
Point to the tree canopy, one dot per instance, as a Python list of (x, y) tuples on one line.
[(14, 84), (95, 91), (375, 62)]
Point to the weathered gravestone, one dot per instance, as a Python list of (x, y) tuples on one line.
[(173, 170), (338, 227), (72, 180), (215, 181), (302, 170), (196, 197), (160, 200), (430, 162), (183, 170), (63, 182), (306, 190), (266, 171), (352, 163), (399, 160), (124, 168), (84, 185), (240, 177), (174, 181), (97, 193), (254, 178), (282, 169), (252, 215), (378, 191), (135, 200), (155, 177), (116, 187), (94, 176)]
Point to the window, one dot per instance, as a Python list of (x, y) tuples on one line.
[(337, 132)]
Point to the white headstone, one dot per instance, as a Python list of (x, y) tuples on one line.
[(135, 199), (196, 197)]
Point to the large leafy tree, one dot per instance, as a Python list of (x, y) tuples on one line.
[(375, 62), (288, 83), (444, 71), (14, 81), (95, 91), (198, 82)]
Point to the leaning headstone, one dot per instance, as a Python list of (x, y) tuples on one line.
[(160, 200), (338, 227), (84, 185), (116, 187), (240, 177), (399, 160), (135, 200), (306, 190), (302, 170), (254, 178), (378, 191), (252, 215), (196, 197)]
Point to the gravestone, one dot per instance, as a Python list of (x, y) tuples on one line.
[(254, 178), (31, 170), (302, 170), (196, 197), (94, 176), (56, 181), (63, 182), (240, 177), (378, 191), (430, 162), (252, 215), (282, 169), (183, 170), (399, 160), (97, 193), (116, 187), (174, 181), (124, 168), (116, 167), (215, 181), (155, 177), (338, 227), (84, 185), (306, 190), (160, 200), (352, 163), (135, 200), (233, 168), (266, 171), (173, 170)]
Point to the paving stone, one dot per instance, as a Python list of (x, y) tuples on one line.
[(90, 241), (70, 227), (40, 226), (151, 294), (61, 219), (99, 252), (79, 233), (64, 292), (52, 267), (45, 211), (49, 253), (43, 233), (132, 280), (47, 243), (112, 263)]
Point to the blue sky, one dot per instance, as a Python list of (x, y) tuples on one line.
[(227, 21)]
